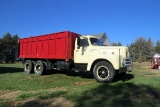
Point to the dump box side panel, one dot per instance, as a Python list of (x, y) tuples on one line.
[(51, 46)]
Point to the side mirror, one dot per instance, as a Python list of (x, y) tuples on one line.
[(78, 42), (85, 42)]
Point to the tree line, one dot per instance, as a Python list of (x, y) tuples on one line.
[(8, 48), (116, 44), (143, 49), (140, 50)]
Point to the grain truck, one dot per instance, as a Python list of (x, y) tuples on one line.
[(70, 51)]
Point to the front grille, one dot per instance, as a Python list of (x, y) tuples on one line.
[(128, 62)]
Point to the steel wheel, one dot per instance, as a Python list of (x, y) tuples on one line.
[(28, 66), (103, 72), (39, 67)]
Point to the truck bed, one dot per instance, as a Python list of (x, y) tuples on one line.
[(49, 46)]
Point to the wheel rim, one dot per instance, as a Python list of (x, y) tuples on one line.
[(38, 68), (27, 67), (103, 72)]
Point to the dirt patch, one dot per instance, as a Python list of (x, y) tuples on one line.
[(9, 94), (56, 89), (146, 68), (83, 83), (2, 92), (54, 102), (61, 102), (144, 65)]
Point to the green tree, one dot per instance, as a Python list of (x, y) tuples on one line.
[(116, 44), (132, 51), (150, 50), (157, 47), (141, 49), (1, 49), (14, 51), (119, 44), (9, 45)]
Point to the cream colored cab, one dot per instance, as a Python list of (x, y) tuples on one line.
[(104, 61)]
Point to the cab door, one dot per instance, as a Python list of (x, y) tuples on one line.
[(81, 52)]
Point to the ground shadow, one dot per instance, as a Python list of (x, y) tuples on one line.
[(82, 74), (50, 100), (123, 77), (89, 75), (106, 95), (120, 95), (71, 73), (4, 70)]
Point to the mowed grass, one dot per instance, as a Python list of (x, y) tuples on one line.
[(65, 89)]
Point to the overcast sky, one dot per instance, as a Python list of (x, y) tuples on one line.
[(122, 20)]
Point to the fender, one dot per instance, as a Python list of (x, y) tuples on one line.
[(113, 59)]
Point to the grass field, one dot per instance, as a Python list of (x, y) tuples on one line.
[(60, 89)]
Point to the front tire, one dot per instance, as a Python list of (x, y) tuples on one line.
[(103, 72), (39, 67), (28, 66)]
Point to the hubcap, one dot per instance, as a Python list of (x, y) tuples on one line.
[(38, 68), (103, 72), (27, 67)]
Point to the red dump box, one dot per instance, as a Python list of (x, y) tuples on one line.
[(50, 46)]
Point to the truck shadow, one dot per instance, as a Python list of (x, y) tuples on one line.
[(4, 70), (123, 77), (118, 77), (71, 73)]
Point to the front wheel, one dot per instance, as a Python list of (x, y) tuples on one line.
[(103, 72), (39, 67)]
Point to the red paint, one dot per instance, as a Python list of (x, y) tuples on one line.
[(155, 62), (50, 46)]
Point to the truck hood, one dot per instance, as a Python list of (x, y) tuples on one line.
[(111, 50)]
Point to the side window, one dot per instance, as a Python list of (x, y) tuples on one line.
[(84, 42)]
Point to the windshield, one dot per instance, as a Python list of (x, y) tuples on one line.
[(95, 41)]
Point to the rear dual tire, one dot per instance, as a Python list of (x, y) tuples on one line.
[(38, 67), (28, 66)]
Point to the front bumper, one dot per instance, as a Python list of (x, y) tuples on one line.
[(127, 65)]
